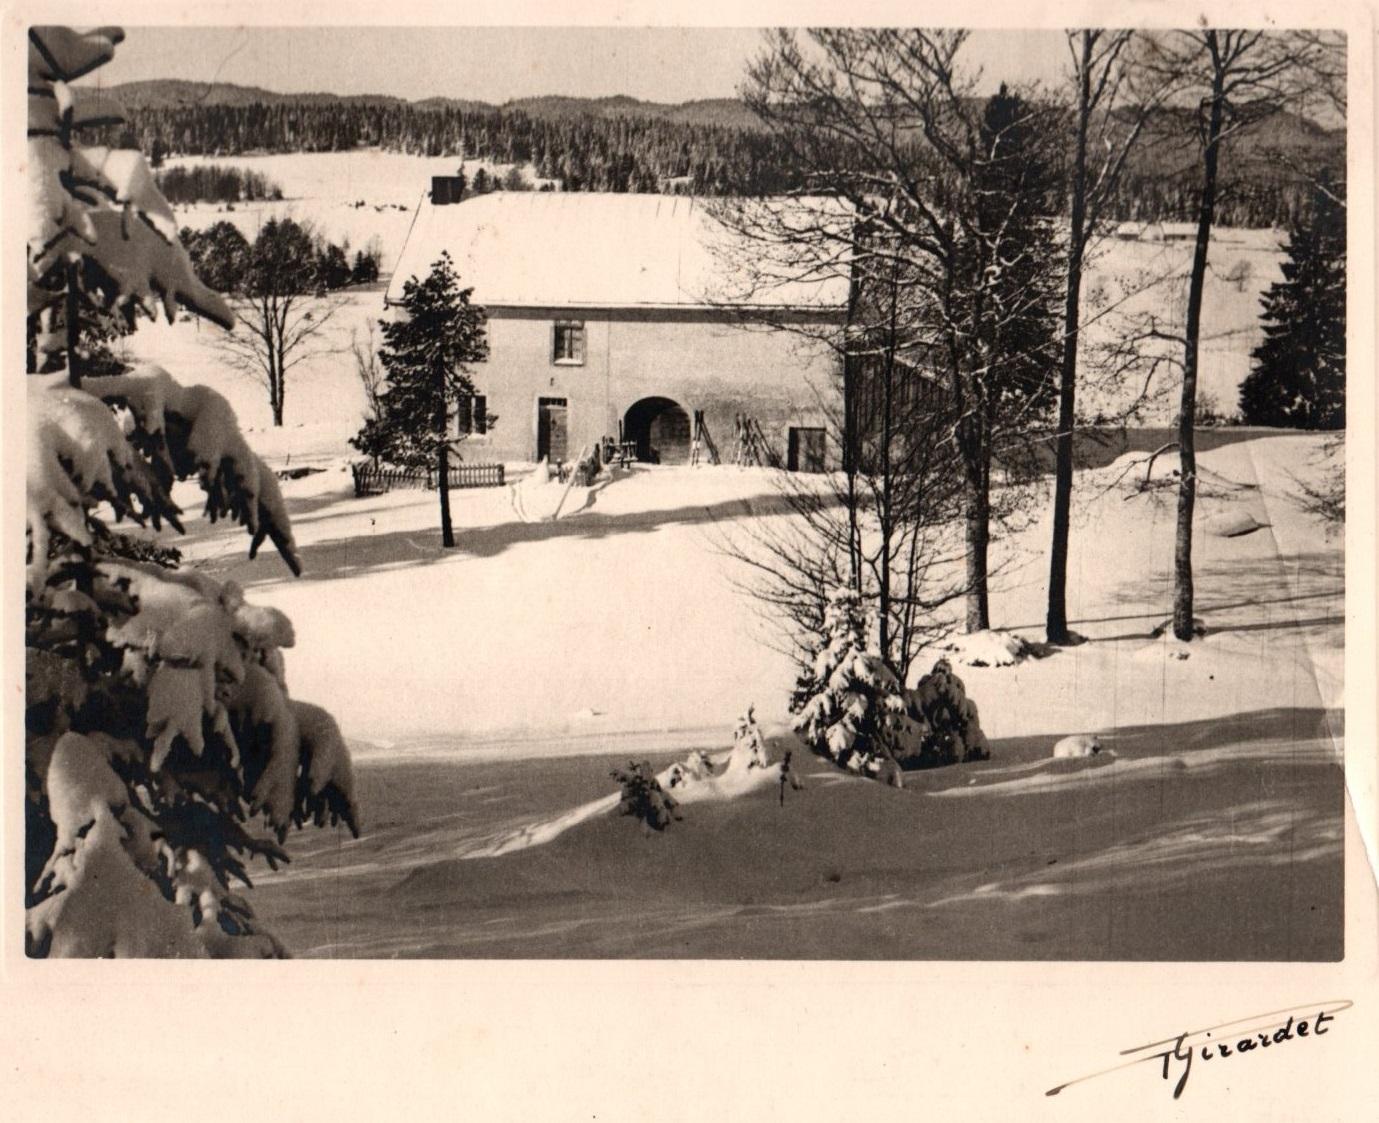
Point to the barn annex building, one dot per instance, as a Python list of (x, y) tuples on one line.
[(623, 316)]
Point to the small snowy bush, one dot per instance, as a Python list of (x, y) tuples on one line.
[(749, 745), (851, 707), (163, 753), (952, 731), (643, 797), (987, 649)]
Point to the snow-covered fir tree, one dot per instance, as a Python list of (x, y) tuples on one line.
[(1298, 380), (850, 705), (163, 753), (952, 729), (749, 744), (855, 711), (425, 355)]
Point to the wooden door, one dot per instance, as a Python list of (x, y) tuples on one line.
[(806, 452), (552, 429)]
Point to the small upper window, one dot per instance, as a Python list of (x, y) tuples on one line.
[(569, 343), (471, 415)]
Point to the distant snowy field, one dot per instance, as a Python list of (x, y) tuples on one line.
[(324, 189), (1139, 279)]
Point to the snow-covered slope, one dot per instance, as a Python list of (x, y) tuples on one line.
[(623, 617)]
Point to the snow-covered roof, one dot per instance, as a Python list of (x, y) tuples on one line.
[(595, 250)]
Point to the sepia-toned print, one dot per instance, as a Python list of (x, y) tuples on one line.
[(688, 493)]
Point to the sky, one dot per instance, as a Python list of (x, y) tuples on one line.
[(493, 64)]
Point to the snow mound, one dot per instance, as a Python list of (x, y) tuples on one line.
[(1076, 746), (699, 778), (988, 649), (1134, 468), (1234, 524), (539, 495)]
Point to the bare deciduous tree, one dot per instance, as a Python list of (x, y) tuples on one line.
[(372, 377), (885, 523), (282, 315), (912, 180), (1231, 79), (1105, 130)]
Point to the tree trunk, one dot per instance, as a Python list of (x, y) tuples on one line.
[(275, 390), (279, 389), (852, 451), (978, 519), (72, 317), (273, 354), (1056, 623), (275, 397), (886, 513), (1187, 416), (443, 461)]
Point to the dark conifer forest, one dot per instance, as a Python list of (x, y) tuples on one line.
[(620, 144)]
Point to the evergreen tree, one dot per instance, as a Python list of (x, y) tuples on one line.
[(1298, 380), (849, 706), (332, 266), (425, 356), (1005, 272), (219, 254), (365, 268), (163, 753)]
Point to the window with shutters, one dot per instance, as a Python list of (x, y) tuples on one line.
[(471, 415), (568, 343)]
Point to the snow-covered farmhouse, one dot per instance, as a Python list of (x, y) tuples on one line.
[(624, 316)]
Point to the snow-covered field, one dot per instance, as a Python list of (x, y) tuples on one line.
[(1130, 281), (489, 689), (624, 617)]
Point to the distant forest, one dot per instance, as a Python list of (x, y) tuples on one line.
[(620, 144), (212, 183)]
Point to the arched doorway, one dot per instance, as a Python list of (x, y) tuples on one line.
[(660, 428)]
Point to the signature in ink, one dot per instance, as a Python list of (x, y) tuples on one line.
[(1221, 1042)]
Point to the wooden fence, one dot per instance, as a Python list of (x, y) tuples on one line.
[(374, 479)]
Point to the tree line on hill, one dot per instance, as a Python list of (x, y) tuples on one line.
[(597, 147), (586, 153)]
